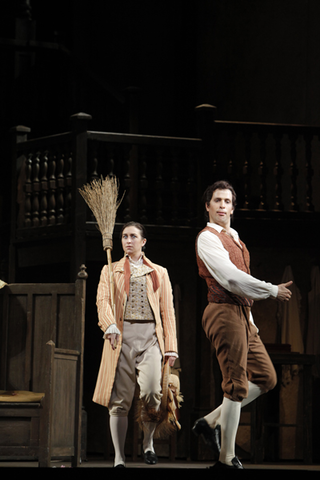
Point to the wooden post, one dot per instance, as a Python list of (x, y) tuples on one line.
[(19, 134), (80, 297), (206, 115), (79, 125), (132, 179), (47, 408)]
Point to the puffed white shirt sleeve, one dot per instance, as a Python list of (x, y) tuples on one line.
[(217, 260)]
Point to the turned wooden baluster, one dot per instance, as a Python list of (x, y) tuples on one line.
[(231, 139), (215, 161), (93, 168), (293, 173), (28, 192), (60, 188), (68, 187), (143, 186), (159, 186), (174, 187), (94, 161), (277, 172), (35, 190), (262, 172), (191, 187), (246, 170), (111, 159), (127, 184), (52, 189), (44, 191), (309, 174)]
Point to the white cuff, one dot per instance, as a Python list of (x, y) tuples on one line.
[(111, 329), (171, 354)]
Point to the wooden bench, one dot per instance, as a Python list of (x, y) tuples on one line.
[(42, 340)]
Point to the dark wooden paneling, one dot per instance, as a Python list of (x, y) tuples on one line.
[(33, 315)]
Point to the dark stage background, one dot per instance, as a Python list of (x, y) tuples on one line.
[(254, 61)]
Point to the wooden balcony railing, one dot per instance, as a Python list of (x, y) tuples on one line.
[(274, 168), (158, 174)]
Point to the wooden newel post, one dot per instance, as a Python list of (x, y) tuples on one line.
[(79, 126), (80, 290), (19, 134), (206, 116), (205, 120)]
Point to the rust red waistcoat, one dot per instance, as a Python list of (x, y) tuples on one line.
[(239, 257)]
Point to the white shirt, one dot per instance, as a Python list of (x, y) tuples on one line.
[(217, 260)]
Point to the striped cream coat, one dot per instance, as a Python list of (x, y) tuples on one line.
[(161, 302)]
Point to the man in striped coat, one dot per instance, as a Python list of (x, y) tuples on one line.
[(137, 339)]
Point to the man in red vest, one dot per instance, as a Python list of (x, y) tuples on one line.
[(247, 371)]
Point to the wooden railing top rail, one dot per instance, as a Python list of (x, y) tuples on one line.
[(141, 139), (207, 116), (44, 142), (130, 138), (268, 124), (260, 127)]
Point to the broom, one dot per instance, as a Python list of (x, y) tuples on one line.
[(101, 197)]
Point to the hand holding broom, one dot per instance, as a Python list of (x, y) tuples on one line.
[(101, 197)]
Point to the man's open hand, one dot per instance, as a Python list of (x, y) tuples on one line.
[(284, 294)]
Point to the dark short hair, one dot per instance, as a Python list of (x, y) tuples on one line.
[(219, 185), (139, 226)]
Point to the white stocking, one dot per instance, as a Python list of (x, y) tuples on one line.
[(118, 429), (148, 431), (254, 392), (229, 420)]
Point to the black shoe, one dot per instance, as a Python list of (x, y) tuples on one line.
[(150, 458), (235, 464), (120, 465), (211, 435)]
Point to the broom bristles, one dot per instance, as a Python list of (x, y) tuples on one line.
[(101, 197)]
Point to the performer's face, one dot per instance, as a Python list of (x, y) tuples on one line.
[(220, 208), (132, 242)]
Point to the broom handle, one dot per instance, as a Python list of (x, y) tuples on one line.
[(111, 286), (111, 283)]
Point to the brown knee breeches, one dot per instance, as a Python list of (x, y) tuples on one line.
[(239, 349)]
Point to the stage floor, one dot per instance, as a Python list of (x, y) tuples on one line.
[(93, 463)]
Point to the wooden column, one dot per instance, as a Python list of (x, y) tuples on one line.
[(206, 116), (79, 125), (18, 134), (80, 300)]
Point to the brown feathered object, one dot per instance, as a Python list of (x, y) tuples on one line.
[(167, 416)]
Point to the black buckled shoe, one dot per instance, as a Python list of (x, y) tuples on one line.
[(150, 458), (210, 435), (235, 464)]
